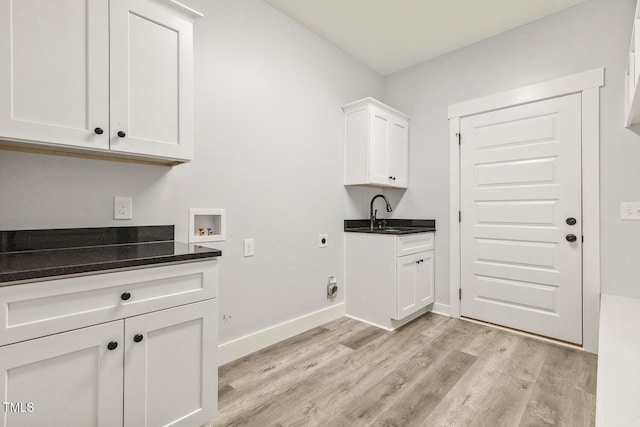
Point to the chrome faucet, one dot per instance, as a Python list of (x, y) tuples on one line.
[(372, 213)]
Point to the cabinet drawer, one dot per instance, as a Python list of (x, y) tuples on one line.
[(414, 243), (43, 308)]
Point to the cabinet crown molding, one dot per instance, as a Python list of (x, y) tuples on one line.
[(365, 102), (186, 11)]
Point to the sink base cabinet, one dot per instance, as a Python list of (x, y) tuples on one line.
[(414, 283), (390, 279), (154, 368)]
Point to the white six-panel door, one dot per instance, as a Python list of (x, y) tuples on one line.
[(520, 182)]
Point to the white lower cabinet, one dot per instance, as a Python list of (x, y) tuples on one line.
[(69, 379), (170, 374), (157, 368), (414, 283), (390, 279)]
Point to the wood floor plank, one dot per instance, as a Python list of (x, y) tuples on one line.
[(389, 390), (558, 396), (473, 392), (363, 338), (433, 384), (435, 371), (358, 372)]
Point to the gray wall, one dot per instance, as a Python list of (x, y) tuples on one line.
[(591, 35), (269, 144)]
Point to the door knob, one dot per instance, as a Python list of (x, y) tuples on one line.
[(571, 238), (125, 296), (98, 131), (571, 221), (112, 345), (121, 134), (138, 337)]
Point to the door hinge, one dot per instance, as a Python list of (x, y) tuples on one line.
[(459, 138), (582, 239), (459, 216), (460, 293)]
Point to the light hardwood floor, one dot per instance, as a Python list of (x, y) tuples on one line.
[(435, 371)]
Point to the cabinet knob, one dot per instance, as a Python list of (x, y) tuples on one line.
[(125, 296), (112, 345), (98, 131), (571, 221), (571, 237), (121, 134), (390, 177), (138, 337)]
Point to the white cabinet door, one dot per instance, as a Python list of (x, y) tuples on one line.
[(379, 124), (70, 379), (425, 279), (151, 80), (171, 366), (397, 152), (54, 81), (414, 283)]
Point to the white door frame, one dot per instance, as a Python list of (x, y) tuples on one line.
[(588, 85)]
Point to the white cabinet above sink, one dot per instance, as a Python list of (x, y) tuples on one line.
[(376, 145)]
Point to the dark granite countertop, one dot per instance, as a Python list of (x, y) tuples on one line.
[(390, 226), (27, 255)]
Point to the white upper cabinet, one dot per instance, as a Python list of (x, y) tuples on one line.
[(54, 72), (632, 82), (376, 144), (113, 77), (151, 79)]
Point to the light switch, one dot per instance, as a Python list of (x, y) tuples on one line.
[(248, 247), (630, 211)]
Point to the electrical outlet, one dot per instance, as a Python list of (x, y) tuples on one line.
[(323, 240), (630, 210), (122, 207), (248, 247)]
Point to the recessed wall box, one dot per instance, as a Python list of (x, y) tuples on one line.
[(206, 225)]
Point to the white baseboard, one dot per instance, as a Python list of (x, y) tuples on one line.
[(242, 346), (443, 309)]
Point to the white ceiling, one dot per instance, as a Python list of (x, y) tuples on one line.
[(390, 35)]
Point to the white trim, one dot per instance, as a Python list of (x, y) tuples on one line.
[(454, 223), (590, 218), (239, 347), (443, 309), (369, 323), (588, 84), (536, 92)]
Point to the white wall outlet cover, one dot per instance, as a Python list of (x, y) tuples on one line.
[(630, 211), (248, 247), (323, 240), (122, 207)]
